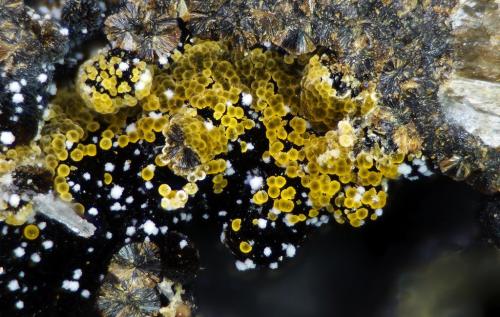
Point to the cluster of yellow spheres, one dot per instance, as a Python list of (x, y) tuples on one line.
[(207, 99), (111, 80)]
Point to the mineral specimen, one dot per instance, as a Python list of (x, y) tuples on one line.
[(135, 285), (129, 289), (285, 143), (271, 118), (148, 28), (286, 24)]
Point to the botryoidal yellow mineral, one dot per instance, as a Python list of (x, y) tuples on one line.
[(280, 139)]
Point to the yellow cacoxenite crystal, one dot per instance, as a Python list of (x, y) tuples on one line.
[(316, 137), (110, 81)]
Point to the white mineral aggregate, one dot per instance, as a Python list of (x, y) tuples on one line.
[(62, 212), (404, 169), (17, 98), (47, 244), (208, 125), (229, 169), (115, 207), (92, 211), (35, 258), (109, 167), (290, 250), (182, 244), (144, 80), (14, 87), (262, 223), (72, 286), (85, 293), (169, 94), (267, 251), (131, 128), (77, 274), (14, 200), (162, 60), (130, 231), (126, 165), (248, 264), (7, 137), (255, 182), (246, 99), (53, 89), (19, 252), (150, 228), (123, 66), (13, 285), (116, 192), (163, 229), (42, 78)]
